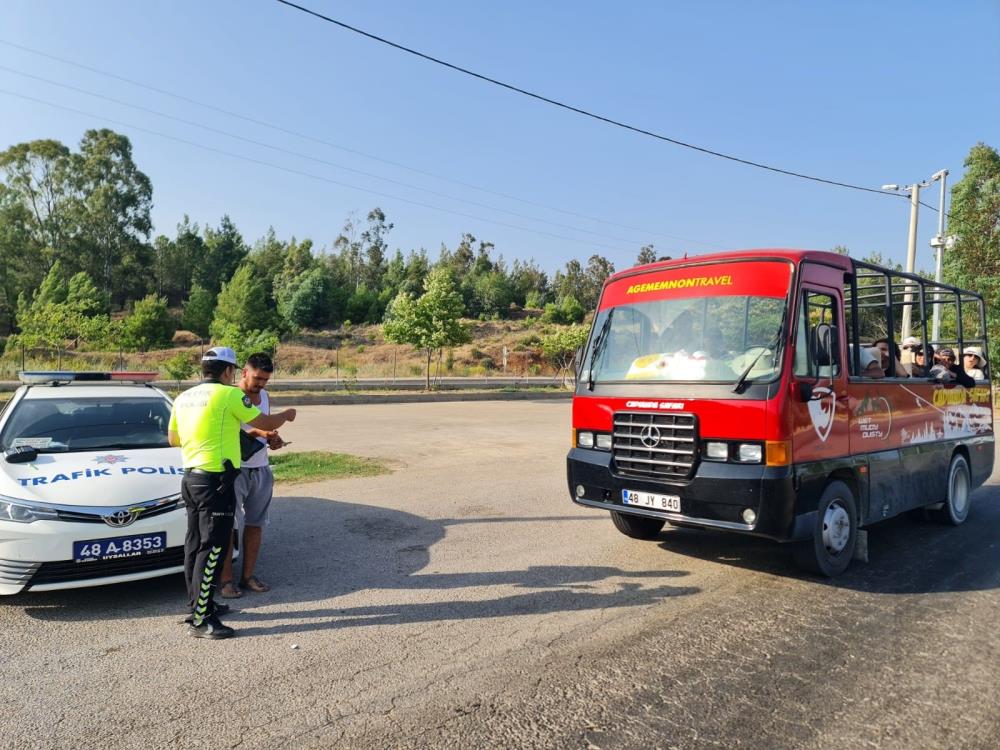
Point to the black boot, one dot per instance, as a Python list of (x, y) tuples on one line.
[(211, 628)]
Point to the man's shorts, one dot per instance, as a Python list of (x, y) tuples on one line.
[(254, 488)]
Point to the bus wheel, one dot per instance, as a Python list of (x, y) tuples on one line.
[(956, 505), (636, 527), (830, 550)]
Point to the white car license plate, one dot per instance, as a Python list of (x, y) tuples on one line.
[(120, 547), (650, 500)]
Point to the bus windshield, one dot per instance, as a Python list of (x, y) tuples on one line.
[(710, 339)]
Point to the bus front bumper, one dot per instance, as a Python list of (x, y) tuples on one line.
[(717, 496)]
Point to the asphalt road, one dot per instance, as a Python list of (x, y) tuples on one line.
[(462, 601)]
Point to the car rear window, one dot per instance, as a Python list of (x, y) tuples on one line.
[(56, 425)]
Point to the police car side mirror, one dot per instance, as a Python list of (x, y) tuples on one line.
[(22, 454)]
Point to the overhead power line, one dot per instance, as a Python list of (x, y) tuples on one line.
[(306, 136), (310, 157), (303, 173), (578, 110)]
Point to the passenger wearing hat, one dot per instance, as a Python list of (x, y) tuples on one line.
[(909, 345), (975, 365), (205, 424), (946, 368), (871, 362)]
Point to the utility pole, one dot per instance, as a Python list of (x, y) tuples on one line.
[(939, 242), (911, 246)]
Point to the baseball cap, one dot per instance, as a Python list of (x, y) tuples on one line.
[(947, 352), (220, 354), (910, 341)]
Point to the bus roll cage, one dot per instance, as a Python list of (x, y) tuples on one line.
[(898, 288)]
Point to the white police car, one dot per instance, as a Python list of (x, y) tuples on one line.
[(89, 487)]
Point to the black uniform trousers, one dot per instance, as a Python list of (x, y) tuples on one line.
[(210, 500)]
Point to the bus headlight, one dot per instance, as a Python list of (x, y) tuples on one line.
[(585, 439), (749, 453), (717, 451), (603, 441)]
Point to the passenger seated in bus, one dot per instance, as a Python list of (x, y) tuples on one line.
[(910, 345), (973, 362), (894, 369), (871, 363), (947, 370)]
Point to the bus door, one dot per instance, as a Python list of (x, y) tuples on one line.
[(877, 407), (819, 383)]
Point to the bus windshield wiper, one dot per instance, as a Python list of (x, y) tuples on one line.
[(599, 340), (772, 345)]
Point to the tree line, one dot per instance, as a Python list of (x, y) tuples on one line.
[(80, 264)]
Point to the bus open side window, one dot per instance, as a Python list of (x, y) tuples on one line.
[(817, 339)]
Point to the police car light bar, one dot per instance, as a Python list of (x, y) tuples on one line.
[(135, 377), (40, 377)]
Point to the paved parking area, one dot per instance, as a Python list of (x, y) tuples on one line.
[(464, 601)]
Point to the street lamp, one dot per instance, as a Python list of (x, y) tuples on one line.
[(911, 247)]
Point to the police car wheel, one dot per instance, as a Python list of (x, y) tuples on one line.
[(835, 535), (636, 527)]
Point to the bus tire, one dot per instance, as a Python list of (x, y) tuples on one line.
[(955, 508), (636, 527), (835, 535)]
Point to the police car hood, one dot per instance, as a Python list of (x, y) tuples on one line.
[(102, 478)]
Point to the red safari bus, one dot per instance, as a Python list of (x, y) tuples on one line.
[(789, 394)]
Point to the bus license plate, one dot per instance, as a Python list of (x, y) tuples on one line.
[(650, 500), (120, 547)]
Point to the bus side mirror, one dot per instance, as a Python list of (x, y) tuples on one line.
[(577, 360)]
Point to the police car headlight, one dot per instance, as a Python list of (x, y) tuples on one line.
[(21, 512)]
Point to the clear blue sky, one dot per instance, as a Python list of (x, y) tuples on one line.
[(860, 92)]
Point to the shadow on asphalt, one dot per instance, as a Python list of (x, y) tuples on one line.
[(906, 556), (317, 549)]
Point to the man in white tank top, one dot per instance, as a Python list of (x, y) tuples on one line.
[(254, 486)]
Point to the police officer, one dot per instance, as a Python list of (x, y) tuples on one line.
[(205, 424)]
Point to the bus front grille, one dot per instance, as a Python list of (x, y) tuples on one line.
[(655, 446)]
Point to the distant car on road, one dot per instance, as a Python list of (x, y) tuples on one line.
[(89, 487)]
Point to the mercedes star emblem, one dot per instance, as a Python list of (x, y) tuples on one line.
[(650, 436)]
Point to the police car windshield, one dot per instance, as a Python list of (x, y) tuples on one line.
[(58, 425)]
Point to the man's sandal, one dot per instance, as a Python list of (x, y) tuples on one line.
[(255, 584), (228, 590)]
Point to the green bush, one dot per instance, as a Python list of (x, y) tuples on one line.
[(179, 367), (150, 325), (245, 342)]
